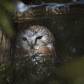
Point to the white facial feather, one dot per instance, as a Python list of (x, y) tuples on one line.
[(31, 37), (35, 40)]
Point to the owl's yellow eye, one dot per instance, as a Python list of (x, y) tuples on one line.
[(39, 37), (24, 39)]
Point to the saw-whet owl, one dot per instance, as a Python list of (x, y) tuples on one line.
[(35, 41)]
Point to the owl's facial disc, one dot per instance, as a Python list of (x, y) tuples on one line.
[(24, 42), (37, 40), (34, 40), (42, 40)]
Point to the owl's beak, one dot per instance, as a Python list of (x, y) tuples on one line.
[(32, 45)]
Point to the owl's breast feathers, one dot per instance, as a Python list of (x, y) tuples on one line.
[(48, 52)]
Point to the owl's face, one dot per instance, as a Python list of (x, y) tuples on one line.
[(35, 40), (34, 36)]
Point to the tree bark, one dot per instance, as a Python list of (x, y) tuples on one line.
[(4, 48), (36, 13)]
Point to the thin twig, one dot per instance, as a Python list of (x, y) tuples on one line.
[(66, 27)]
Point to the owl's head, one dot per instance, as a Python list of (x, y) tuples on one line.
[(34, 36), (35, 41)]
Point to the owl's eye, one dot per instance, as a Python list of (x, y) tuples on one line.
[(24, 39), (39, 37)]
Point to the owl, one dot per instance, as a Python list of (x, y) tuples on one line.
[(36, 41)]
